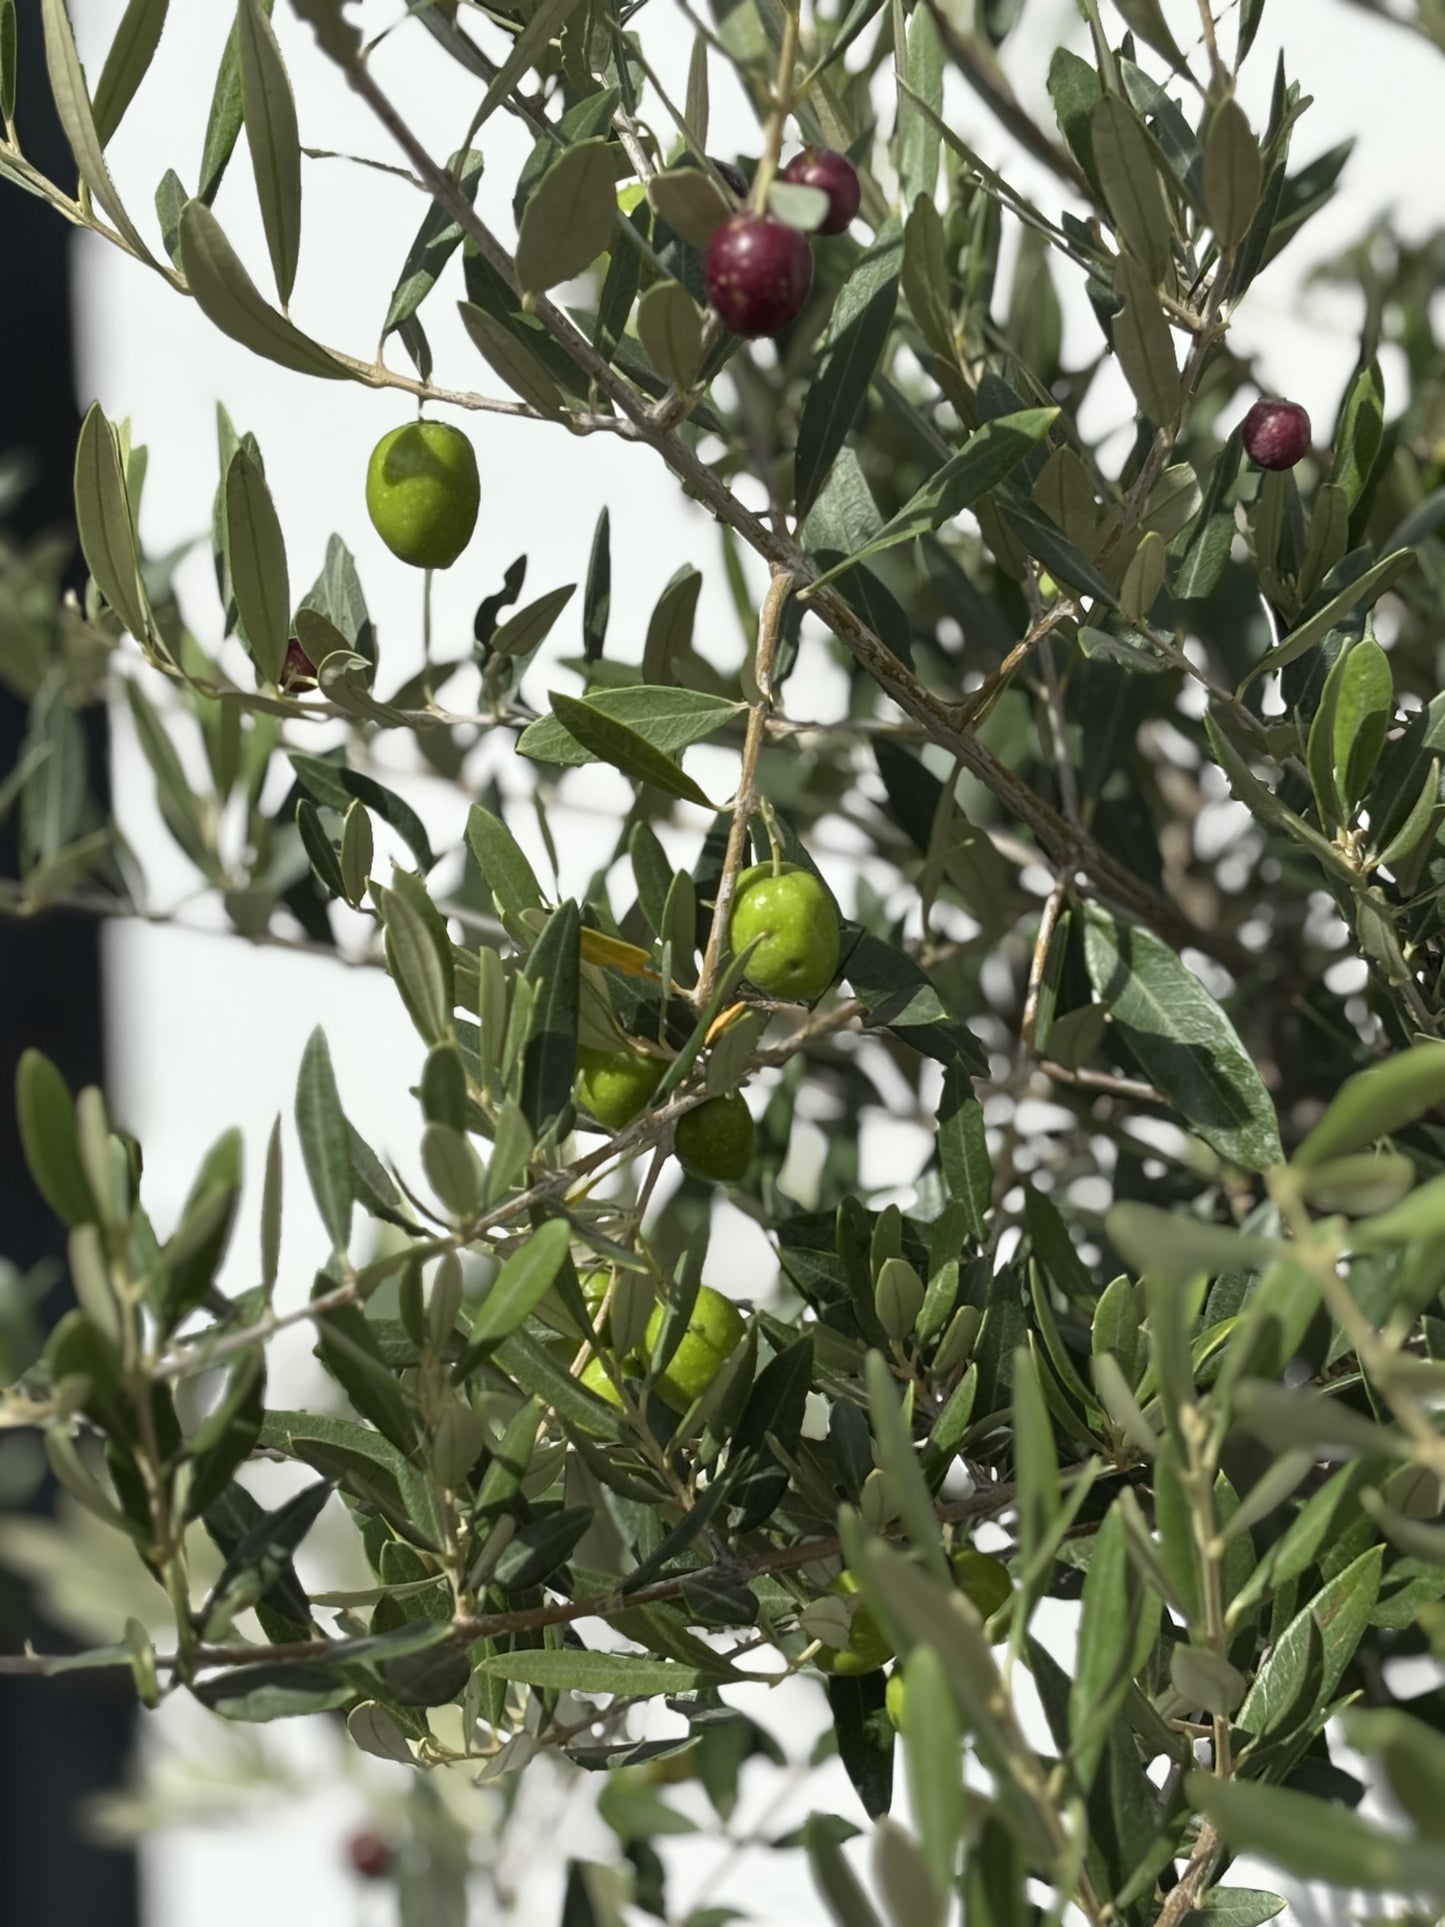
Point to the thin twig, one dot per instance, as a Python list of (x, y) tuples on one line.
[(768, 620), (995, 1498)]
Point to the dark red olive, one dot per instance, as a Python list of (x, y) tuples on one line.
[(838, 178), (734, 176), (757, 272), (370, 1856), (1276, 434), (298, 668)]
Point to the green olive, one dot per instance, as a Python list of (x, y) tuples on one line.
[(715, 1141), (893, 1697), (983, 1581), (615, 1086), (712, 1335), (596, 1377), (791, 916), (422, 493), (868, 1647)]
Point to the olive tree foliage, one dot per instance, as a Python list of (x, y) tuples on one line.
[(1181, 1353)]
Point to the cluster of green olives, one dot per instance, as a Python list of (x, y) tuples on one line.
[(784, 916), (984, 1581), (714, 1330)]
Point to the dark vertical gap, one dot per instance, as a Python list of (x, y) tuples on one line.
[(60, 1740)]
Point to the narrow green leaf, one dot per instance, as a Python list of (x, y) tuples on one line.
[(1316, 1839), (193, 1255), (72, 104), (9, 59), (695, 105), (336, 786), (1232, 173), (832, 1876), (544, 25), (917, 139), (229, 297), (849, 357), (271, 1212), (568, 221), (520, 1286), (566, 1669), (1130, 182), (669, 719), (1363, 713), (690, 202), (899, 1460), (1201, 551), (419, 958), (670, 628), (1144, 345), (1336, 1618), (1377, 1102), (508, 875), (1238, 1907), (1117, 1628), (932, 1747), (611, 741), (1365, 588), (223, 123), (549, 1057), (46, 1117), (324, 1146), (127, 63), (260, 580), (1181, 1039), (225, 1438), (436, 240), (524, 632), (988, 456), (963, 1149), (597, 595), (269, 110), (1146, 17), (105, 523), (1360, 434), (670, 325), (255, 1694), (523, 373)]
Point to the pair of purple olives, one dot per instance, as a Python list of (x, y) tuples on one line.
[(757, 270)]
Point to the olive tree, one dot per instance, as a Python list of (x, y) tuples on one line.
[(1173, 1354)]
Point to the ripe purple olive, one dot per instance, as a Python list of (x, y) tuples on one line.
[(734, 176), (833, 172), (298, 671), (757, 272), (1276, 434), (370, 1856)]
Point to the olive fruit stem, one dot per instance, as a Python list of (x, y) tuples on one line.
[(770, 617), (782, 107)]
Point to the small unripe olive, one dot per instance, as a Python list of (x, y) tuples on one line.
[(791, 915), (868, 1647), (614, 1086), (715, 1141), (713, 1332), (422, 493)]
